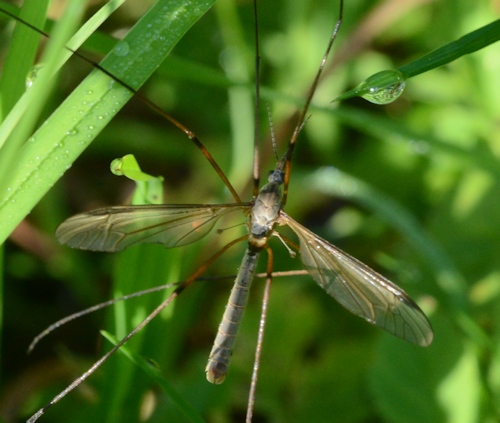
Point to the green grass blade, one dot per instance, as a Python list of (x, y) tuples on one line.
[(19, 116), (23, 117), (382, 81), (64, 136), (470, 43), (21, 55)]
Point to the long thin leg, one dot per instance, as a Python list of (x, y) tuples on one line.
[(141, 325), (260, 338), (104, 358), (104, 304)]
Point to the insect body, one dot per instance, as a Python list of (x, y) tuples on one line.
[(263, 219), (357, 287)]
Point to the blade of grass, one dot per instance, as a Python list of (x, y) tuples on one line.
[(21, 121), (31, 96), (139, 266), (64, 136), (21, 55), (469, 43)]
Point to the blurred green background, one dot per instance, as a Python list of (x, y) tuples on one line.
[(411, 188)]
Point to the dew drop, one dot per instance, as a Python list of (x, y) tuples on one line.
[(33, 74), (121, 49), (383, 87), (385, 95), (72, 132)]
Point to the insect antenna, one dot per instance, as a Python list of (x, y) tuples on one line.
[(303, 114), (256, 169), (271, 130)]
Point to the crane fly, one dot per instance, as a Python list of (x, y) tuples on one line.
[(357, 287), (354, 285)]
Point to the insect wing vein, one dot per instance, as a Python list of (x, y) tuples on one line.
[(116, 228), (360, 289)]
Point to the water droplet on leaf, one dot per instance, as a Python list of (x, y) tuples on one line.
[(121, 49), (382, 88), (33, 74)]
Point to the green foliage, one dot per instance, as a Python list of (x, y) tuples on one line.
[(411, 188)]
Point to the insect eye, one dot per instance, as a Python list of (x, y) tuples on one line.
[(277, 176)]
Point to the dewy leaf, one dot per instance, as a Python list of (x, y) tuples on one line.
[(386, 86), (66, 134)]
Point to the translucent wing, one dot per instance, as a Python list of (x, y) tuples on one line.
[(116, 228), (360, 289)]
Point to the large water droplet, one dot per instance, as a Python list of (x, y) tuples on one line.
[(382, 88)]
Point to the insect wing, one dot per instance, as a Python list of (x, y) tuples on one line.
[(116, 228), (360, 289)]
